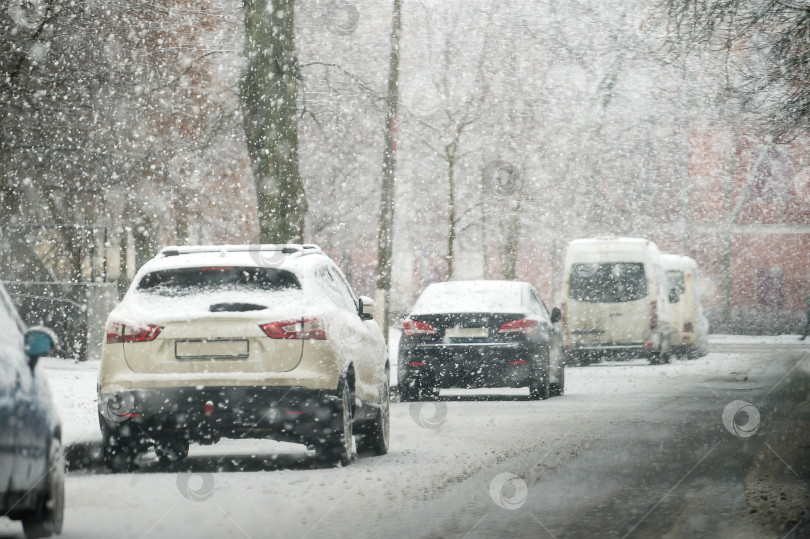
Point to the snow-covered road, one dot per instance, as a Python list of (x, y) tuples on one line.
[(630, 449)]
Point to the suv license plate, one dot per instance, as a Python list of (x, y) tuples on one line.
[(211, 349)]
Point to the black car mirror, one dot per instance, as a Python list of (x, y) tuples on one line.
[(39, 341), (556, 315), (366, 308)]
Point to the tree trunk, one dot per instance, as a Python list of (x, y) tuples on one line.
[(385, 237), (268, 95), (451, 206), (510, 251)]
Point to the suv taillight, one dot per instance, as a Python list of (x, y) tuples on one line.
[(304, 328), (653, 314), (121, 333), (524, 325), (414, 327)]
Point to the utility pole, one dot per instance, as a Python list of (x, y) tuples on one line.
[(385, 238)]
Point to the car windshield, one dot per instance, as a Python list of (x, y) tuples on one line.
[(184, 281), (608, 282)]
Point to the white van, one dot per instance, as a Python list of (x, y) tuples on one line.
[(691, 329), (615, 301)]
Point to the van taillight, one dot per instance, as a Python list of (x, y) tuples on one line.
[(121, 333), (653, 314)]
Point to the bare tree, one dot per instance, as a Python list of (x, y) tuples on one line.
[(269, 94), (385, 238), (764, 44)]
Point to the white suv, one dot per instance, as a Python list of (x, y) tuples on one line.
[(242, 342)]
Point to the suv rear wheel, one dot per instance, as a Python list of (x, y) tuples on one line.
[(119, 452), (171, 451), (373, 436), (337, 446)]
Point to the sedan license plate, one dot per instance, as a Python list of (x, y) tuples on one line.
[(467, 333), (211, 349)]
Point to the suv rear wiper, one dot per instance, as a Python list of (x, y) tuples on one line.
[(235, 307)]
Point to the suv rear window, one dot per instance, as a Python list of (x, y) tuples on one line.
[(608, 282), (183, 281)]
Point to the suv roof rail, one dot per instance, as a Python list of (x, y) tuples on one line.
[(288, 248)]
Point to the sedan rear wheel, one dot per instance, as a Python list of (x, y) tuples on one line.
[(539, 383), (557, 388), (48, 520)]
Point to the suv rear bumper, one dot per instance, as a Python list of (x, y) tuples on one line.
[(294, 414)]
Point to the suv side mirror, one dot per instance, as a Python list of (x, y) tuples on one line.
[(39, 341), (556, 315), (366, 308)]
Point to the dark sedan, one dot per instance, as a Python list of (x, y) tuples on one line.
[(31, 461), (477, 334)]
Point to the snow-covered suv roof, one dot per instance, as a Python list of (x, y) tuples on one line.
[(292, 257)]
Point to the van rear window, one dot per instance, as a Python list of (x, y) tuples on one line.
[(607, 282), (216, 278), (675, 280)]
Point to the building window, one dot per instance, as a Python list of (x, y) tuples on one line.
[(769, 283), (771, 180)]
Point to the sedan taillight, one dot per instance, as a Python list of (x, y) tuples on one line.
[(122, 333), (304, 328), (414, 327), (524, 325)]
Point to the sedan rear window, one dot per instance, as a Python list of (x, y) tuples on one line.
[(610, 282), (182, 281), (470, 297)]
